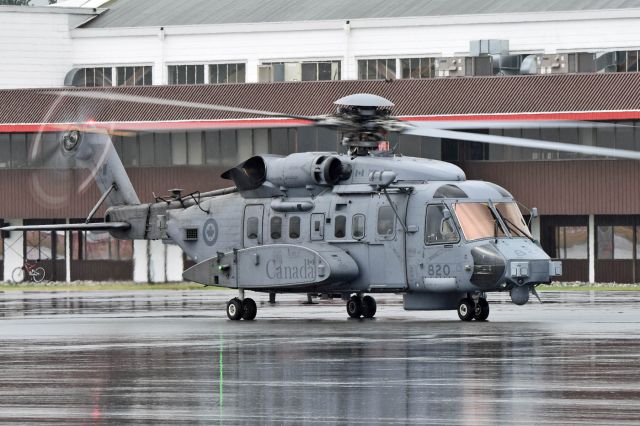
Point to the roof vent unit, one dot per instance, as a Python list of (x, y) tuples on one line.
[(545, 64), (489, 47), (450, 67), (461, 67)]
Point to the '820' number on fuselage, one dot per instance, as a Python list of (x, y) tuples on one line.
[(438, 270)]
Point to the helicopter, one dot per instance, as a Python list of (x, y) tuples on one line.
[(346, 225)]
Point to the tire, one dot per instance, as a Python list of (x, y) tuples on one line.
[(354, 307), (249, 309), (234, 309), (38, 274), (18, 275), (466, 309), (369, 307), (481, 312)]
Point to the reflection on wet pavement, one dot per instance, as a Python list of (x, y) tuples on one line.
[(172, 357)]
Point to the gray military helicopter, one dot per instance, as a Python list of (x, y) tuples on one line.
[(338, 225)]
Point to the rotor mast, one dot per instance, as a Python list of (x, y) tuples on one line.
[(366, 118)]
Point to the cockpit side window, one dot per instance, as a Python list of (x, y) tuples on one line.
[(439, 227)]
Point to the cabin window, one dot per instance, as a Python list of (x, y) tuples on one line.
[(385, 220), (357, 226), (276, 228), (340, 226), (252, 228), (294, 227), (439, 228)]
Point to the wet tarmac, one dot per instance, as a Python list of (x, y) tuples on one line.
[(173, 357)]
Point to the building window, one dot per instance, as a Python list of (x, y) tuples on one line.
[(44, 245), (615, 242), (186, 74), (376, 69), (87, 245), (226, 73), (417, 67), (90, 77), (572, 242), (134, 76), (299, 71), (617, 61)]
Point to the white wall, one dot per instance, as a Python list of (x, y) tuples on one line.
[(12, 250), (156, 262), (38, 48), (442, 36), (35, 45)]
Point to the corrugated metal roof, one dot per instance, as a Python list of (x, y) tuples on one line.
[(144, 13), (454, 96)]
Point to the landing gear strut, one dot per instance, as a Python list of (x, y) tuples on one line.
[(241, 309), (469, 309), (361, 307)]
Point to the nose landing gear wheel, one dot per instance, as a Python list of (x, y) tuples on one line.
[(354, 307), (369, 307), (466, 309), (481, 312), (234, 309)]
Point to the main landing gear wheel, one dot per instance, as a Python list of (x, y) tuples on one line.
[(369, 307), (249, 309), (234, 309), (354, 307), (481, 312), (466, 309)]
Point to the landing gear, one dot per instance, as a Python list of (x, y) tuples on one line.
[(234, 309), (469, 309), (361, 307), (241, 309), (354, 307), (481, 312), (249, 309), (369, 307), (466, 309)]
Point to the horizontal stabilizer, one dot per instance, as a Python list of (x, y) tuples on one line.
[(101, 226)]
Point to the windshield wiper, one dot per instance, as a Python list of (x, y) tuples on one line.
[(513, 227)]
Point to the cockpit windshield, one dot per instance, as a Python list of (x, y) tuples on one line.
[(477, 221), (512, 218)]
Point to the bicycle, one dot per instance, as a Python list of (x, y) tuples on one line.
[(29, 269)]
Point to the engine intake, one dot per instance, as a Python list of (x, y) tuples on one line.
[(294, 171)]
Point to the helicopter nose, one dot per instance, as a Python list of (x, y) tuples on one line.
[(489, 266)]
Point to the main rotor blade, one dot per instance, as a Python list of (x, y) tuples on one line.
[(509, 124), (121, 97), (523, 143)]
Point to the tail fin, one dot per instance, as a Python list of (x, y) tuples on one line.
[(95, 152)]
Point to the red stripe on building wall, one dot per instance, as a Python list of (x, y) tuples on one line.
[(278, 122)]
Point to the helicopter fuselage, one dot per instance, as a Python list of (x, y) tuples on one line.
[(436, 241)]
